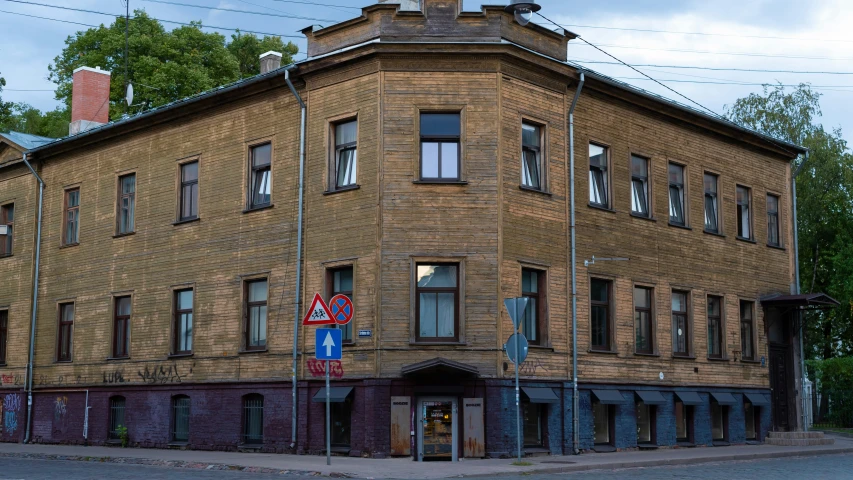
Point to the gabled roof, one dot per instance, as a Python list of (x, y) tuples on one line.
[(24, 140)]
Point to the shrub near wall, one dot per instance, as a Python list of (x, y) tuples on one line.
[(835, 385)]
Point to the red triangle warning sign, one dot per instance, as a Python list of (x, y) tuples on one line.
[(319, 313)]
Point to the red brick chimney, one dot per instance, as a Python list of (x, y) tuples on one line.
[(90, 99)]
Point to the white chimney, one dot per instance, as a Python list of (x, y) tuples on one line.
[(270, 61)]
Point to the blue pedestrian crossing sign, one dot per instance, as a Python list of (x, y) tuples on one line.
[(328, 346)]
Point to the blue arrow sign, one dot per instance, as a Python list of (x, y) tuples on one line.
[(328, 344)]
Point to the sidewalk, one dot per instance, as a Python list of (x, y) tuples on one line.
[(406, 468)]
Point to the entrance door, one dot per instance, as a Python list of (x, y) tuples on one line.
[(437, 428), (779, 384)]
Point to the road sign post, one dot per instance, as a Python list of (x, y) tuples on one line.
[(327, 346), (516, 307)]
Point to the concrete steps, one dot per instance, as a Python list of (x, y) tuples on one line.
[(798, 439)]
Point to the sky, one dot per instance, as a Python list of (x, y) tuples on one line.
[(718, 36)]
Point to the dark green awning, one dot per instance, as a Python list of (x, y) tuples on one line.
[(724, 398), (336, 394), (757, 399), (609, 397), (689, 398), (651, 397), (540, 395)]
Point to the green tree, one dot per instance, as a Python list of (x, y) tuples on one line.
[(248, 48), (825, 207)]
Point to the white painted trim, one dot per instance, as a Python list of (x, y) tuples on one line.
[(90, 69), (277, 54)]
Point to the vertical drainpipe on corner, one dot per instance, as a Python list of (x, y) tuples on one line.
[(29, 380), (298, 292), (797, 290), (575, 433)]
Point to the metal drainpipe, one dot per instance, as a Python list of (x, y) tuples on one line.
[(797, 291), (298, 293), (29, 380), (575, 433)]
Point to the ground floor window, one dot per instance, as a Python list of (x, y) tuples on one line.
[(116, 418), (645, 423), (602, 423), (181, 418), (341, 413), (253, 419), (683, 422), (532, 417), (719, 421), (749, 416)]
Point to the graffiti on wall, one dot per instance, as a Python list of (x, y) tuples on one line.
[(11, 406), (60, 407), (530, 368), (317, 368), (115, 376), (161, 374), (11, 380)]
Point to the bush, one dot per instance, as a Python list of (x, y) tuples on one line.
[(123, 435), (835, 380)]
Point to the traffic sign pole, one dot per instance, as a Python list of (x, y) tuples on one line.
[(328, 419), (517, 403)]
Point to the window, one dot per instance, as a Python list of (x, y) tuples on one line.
[(341, 280), (116, 417), (256, 315), (749, 418), (66, 332), (683, 422), (680, 327), (532, 422), (645, 423), (744, 224), (598, 178), (121, 327), (712, 204), (341, 414), (71, 228), (640, 186), (532, 174), (253, 419), (676, 195), (183, 322), (7, 216), (602, 423), (643, 320), (600, 315), (260, 157), (715, 328), (189, 191), (747, 331), (4, 334), (773, 220), (533, 287), (719, 421), (181, 418), (346, 153), (440, 146), (126, 203), (437, 297)]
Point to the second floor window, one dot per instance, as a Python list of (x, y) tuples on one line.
[(66, 332), (256, 315), (183, 321), (744, 222), (533, 325), (715, 327), (121, 327), (680, 333), (640, 186), (773, 220), (341, 283), (261, 156), (71, 234), (600, 315), (440, 147), (437, 298), (747, 331), (346, 153), (643, 325), (531, 156), (4, 334), (189, 191), (676, 194), (126, 203), (7, 217), (598, 179), (712, 204)]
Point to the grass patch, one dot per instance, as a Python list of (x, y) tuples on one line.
[(521, 464)]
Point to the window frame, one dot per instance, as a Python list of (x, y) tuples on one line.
[(688, 327), (752, 331), (540, 151), (244, 434), (62, 333), (722, 326), (112, 426), (687, 412), (177, 313), (247, 306), (756, 421), (254, 171), (441, 139), (715, 197), (778, 219), (7, 241), (120, 197), (611, 423), (173, 434), (458, 291), (341, 408), (684, 196), (605, 176), (65, 211), (650, 310), (335, 151), (750, 213), (541, 296), (541, 412), (647, 184), (4, 335), (330, 292), (125, 322), (609, 307), (724, 414), (182, 184), (653, 434)]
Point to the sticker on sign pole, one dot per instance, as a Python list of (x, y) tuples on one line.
[(319, 313)]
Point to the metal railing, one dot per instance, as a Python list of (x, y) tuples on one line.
[(116, 417), (829, 409), (253, 419), (181, 419)]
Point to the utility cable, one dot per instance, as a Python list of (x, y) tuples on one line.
[(708, 52), (648, 30), (234, 10), (48, 18), (718, 69)]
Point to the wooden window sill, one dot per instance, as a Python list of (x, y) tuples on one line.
[(62, 361), (188, 220), (180, 355), (260, 350), (117, 359), (716, 234), (643, 217), (258, 208), (678, 225), (535, 190), (601, 207), (753, 362), (439, 182), (747, 240), (777, 247), (641, 354), (605, 352), (122, 235), (713, 359), (540, 347), (348, 188), (69, 245), (6, 255), (683, 357)]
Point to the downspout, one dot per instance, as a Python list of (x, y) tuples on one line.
[(575, 414), (29, 380), (797, 291), (298, 292)]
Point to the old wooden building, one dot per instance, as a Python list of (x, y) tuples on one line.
[(437, 184)]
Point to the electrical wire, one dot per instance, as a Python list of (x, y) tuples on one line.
[(48, 18), (718, 69), (319, 4), (733, 82), (707, 52), (647, 30), (234, 10)]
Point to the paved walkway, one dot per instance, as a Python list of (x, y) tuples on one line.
[(405, 468)]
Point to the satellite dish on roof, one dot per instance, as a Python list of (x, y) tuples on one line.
[(129, 96)]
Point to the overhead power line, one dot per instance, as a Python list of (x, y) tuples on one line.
[(734, 82), (707, 52), (718, 69), (319, 4), (48, 18), (234, 10), (707, 34)]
